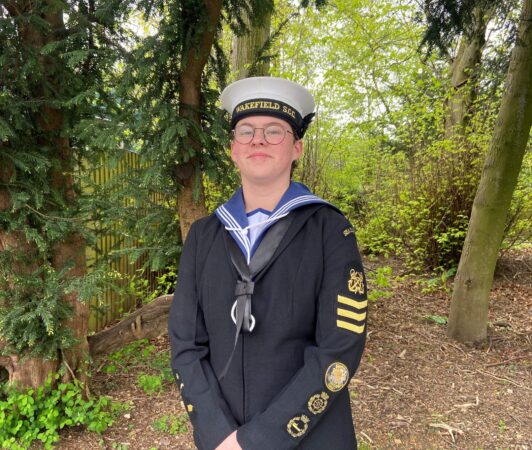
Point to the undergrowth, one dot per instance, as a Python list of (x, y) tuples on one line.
[(39, 414)]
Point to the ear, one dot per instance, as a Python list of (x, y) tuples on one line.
[(298, 149)]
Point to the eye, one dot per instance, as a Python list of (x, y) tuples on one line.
[(274, 130), (244, 131)]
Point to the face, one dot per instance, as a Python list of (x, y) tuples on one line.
[(260, 162)]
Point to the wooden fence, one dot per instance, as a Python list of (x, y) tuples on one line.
[(111, 305)]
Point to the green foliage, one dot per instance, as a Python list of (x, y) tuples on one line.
[(139, 286), (440, 282), (362, 445), (447, 19), (171, 424), (142, 353), (380, 282), (440, 320), (150, 384), (130, 354), (49, 82), (119, 446), (502, 425), (39, 415), (379, 147), (518, 230)]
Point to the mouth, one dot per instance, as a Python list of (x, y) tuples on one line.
[(259, 155)]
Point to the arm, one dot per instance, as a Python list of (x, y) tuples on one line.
[(328, 365), (204, 402)]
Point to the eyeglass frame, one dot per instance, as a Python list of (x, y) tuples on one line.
[(233, 132)]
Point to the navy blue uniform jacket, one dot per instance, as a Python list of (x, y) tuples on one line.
[(287, 384)]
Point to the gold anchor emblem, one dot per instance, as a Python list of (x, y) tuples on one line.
[(356, 282)]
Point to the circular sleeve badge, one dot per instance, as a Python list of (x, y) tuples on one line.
[(336, 376), (298, 426), (318, 402)]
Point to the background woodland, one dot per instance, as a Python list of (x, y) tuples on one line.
[(422, 138)]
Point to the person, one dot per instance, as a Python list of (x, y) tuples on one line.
[(268, 320)]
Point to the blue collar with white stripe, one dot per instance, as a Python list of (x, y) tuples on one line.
[(233, 214)]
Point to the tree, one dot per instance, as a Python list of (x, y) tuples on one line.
[(247, 52), (470, 299), (50, 73), (203, 29), (464, 73)]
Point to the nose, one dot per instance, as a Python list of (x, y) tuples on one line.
[(258, 136)]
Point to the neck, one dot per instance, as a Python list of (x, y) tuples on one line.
[(266, 197)]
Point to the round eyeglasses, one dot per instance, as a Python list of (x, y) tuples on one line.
[(273, 134)]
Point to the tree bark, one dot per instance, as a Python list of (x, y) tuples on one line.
[(148, 322), (246, 49), (190, 201), (70, 250), (463, 73), (470, 299)]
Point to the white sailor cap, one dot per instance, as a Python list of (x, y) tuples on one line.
[(269, 96)]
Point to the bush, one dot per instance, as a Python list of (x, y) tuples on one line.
[(38, 414)]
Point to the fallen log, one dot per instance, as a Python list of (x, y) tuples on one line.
[(148, 322)]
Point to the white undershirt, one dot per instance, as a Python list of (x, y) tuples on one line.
[(255, 226)]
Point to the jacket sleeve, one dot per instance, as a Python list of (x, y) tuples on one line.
[(330, 363), (208, 411)]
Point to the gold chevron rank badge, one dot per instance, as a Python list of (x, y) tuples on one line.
[(351, 314)]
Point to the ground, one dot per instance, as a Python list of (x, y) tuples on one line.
[(415, 388)]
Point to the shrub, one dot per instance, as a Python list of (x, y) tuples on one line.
[(38, 414)]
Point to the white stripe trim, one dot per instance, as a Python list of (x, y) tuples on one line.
[(238, 231), (296, 201)]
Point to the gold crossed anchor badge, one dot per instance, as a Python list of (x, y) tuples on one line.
[(355, 283)]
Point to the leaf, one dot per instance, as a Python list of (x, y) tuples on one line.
[(5, 130), (440, 320)]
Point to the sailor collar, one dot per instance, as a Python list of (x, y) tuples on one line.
[(233, 214)]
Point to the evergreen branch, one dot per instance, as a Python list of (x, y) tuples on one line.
[(46, 216)]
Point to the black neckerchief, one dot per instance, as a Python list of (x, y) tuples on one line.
[(248, 275)]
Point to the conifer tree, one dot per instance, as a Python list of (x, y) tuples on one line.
[(51, 65)]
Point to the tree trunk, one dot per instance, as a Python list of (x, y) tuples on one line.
[(190, 201), (463, 73), (72, 249), (246, 49), (470, 300)]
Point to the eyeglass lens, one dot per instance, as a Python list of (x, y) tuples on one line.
[(273, 134)]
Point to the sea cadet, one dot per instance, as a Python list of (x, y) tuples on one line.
[(268, 321)]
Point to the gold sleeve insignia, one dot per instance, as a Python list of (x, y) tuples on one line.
[(355, 283), (357, 313), (318, 402), (190, 408), (336, 376), (298, 425), (348, 231)]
